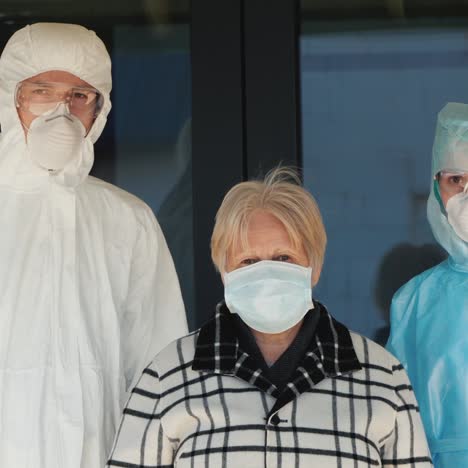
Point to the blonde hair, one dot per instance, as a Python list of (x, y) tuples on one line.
[(280, 193)]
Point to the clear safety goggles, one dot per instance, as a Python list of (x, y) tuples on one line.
[(42, 97), (452, 182)]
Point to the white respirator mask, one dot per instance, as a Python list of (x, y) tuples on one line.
[(269, 296), (55, 138), (457, 213)]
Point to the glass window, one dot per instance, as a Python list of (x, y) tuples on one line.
[(152, 128), (372, 83)]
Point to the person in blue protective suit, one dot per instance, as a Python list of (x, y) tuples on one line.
[(429, 315)]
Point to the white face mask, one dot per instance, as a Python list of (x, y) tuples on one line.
[(269, 296), (457, 213), (55, 138)]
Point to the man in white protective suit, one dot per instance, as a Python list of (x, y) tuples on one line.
[(88, 290)]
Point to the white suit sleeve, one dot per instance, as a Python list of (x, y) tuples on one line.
[(154, 312)]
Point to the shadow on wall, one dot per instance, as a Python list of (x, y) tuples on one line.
[(401, 263)]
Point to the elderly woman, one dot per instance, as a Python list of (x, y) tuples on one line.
[(272, 380)]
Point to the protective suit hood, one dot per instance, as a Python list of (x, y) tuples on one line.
[(450, 151), (36, 49)]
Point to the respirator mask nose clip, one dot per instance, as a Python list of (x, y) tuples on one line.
[(61, 110)]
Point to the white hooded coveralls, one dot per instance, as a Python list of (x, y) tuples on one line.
[(88, 290)]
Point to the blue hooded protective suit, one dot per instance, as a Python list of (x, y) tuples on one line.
[(429, 315)]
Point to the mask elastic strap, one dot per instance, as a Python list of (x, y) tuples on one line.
[(438, 197), (24, 126)]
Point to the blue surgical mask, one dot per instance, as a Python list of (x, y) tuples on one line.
[(269, 296)]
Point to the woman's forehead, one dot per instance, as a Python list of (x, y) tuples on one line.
[(262, 229)]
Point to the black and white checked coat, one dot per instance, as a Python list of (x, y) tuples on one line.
[(204, 403)]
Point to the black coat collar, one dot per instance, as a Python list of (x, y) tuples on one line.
[(330, 353)]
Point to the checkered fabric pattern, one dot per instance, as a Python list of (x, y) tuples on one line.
[(204, 403)]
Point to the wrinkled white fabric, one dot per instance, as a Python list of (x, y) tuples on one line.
[(88, 290)]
